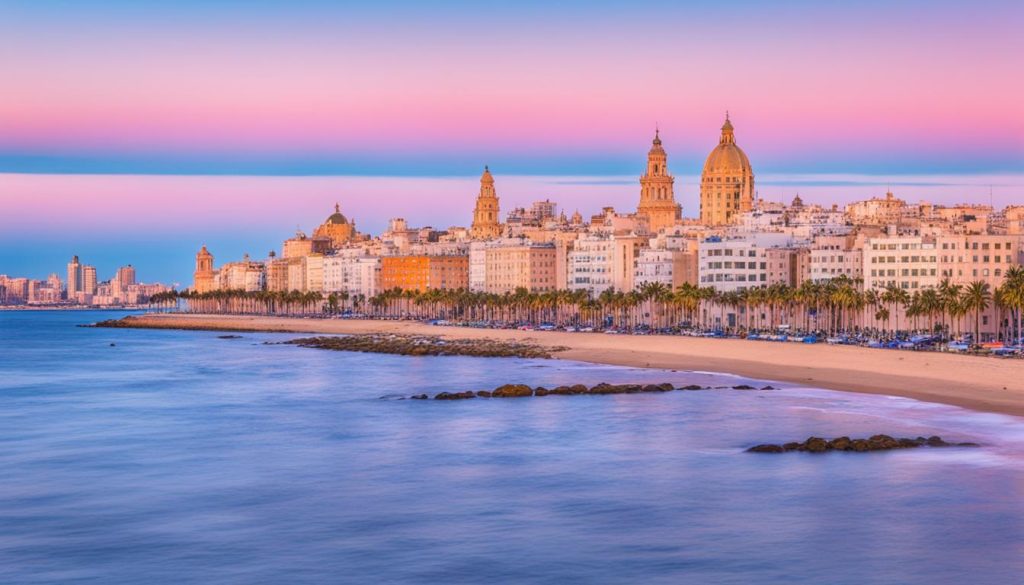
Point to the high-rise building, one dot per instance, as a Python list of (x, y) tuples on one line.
[(89, 280), (657, 201), (485, 215), (727, 183), (74, 277), (126, 275)]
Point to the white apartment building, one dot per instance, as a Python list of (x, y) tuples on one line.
[(598, 262), (835, 256), (353, 273), (909, 262), (739, 262)]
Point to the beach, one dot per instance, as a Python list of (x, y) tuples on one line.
[(978, 383)]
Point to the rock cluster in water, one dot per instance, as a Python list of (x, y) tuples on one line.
[(873, 443), (523, 391), (432, 345)]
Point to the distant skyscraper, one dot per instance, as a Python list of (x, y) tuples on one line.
[(657, 200), (126, 275), (74, 277), (485, 215), (89, 279), (727, 183)]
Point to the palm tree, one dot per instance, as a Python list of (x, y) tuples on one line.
[(977, 297)]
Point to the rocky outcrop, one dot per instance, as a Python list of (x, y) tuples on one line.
[(604, 388), (512, 391), (872, 443), (427, 345)]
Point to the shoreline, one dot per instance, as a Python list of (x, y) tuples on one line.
[(987, 385)]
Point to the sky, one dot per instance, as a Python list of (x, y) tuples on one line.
[(142, 129)]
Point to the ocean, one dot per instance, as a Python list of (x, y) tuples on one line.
[(151, 456)]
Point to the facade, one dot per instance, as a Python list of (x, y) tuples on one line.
[(485, 215), (969, 258), (246, 276), (732, 264), (835, 256), (727, 182), (89, 281), (598, 262), (669, 267), (657, 200), (353, 274), (908, 262), (423, 273), (529, 266)]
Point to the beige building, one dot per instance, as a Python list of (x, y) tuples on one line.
[(203, 277), (337, 229), (835, 256), (485, 215), (965, 259), (908, 262), (423, 273), (302, 245), (657, 200), (727, 182), (529, 266)]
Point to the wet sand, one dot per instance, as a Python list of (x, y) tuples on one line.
[(978, 383)]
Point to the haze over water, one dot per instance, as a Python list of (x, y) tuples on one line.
[(179, 456)]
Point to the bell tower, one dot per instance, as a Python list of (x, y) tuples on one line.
[(485, 215), (657, 197)]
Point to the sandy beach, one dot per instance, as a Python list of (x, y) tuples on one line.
[(985, 384)]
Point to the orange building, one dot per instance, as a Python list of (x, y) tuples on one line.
[(422, 273)]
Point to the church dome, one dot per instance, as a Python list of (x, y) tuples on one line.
[(337, 218), (727, 157)]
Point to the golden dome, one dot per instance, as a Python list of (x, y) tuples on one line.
[(727, 157), (336, 218)]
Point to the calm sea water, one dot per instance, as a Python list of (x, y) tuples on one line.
[(180, 457)]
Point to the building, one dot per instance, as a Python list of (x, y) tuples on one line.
[(741, 262), (964, 259), (89, 280), (203, 277), (352, 273), (302, 245), (523, 265), (598, 262), (74, 278), (485, 215), (657, 200), (422, 272), (246, 276), (727, 182), (908, 262), (877, 211), (336, 229), (126, 275), (836, 256)]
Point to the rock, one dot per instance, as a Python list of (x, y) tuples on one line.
[(484, 394), (692, 387), (229, 337), (936, 441), (455, 395), (840, 443), (541, 391), (966, 444), (882, 443), (743, 387), (666, 386), (653, 388), (766, 449), (113, 345), (816, 445), (418, 397), (578, 389), (602, 388), (858, 445), (768, 388), (512, 391), (561, 390), (908, 443), (794, 446)]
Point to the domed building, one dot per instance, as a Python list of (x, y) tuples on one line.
[(727, 182), (337, 228), (657, 199)]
